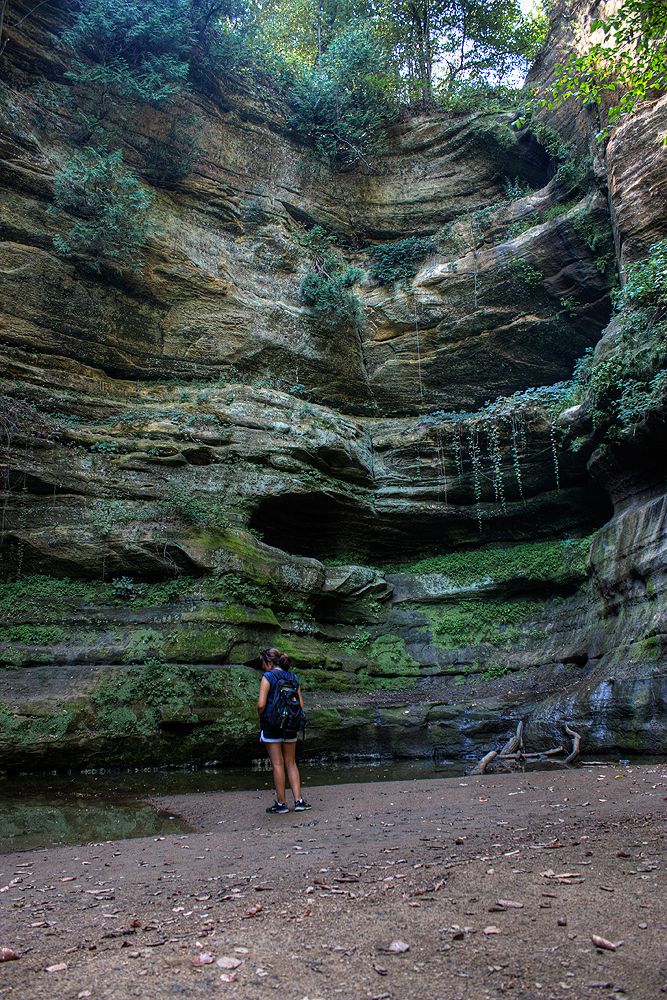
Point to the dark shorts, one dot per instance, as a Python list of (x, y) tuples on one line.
[(269, 734)]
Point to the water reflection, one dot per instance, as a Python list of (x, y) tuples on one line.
[(46, 810)]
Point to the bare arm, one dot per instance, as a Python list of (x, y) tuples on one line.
[(264, 688)]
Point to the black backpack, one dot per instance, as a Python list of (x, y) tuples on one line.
[(284, 710)]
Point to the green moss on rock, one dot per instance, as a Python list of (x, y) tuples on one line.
[(471, 623), (552, 562), (388, 657)]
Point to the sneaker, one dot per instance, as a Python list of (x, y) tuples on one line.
[(278, 807), (301, 805)]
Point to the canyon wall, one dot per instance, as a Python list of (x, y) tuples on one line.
[(195, 468)]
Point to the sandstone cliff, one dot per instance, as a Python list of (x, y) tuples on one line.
[(195, 469)]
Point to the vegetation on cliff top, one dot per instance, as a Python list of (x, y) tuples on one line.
[(625, 64)]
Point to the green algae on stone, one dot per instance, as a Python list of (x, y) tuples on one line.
[(471, 622), (388, 657)]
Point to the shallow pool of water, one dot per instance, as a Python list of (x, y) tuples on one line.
[(39, 811)]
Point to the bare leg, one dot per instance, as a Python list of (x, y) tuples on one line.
[(275, 752), (289, 757)]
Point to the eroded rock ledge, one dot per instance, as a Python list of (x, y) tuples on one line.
[(194, 470)]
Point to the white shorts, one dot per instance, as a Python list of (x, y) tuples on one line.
[(280, 739)]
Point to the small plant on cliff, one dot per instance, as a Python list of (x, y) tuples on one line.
[(627, 387), (111, 205), (326, 287), (399, 261)]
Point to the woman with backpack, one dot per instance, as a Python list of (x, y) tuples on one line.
[(281, 716)]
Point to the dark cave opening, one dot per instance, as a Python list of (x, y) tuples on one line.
[(310, 524), (322, 526)]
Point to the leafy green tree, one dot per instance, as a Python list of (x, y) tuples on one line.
[(627, 65), (110, 204), (441, 42), (343, 103)]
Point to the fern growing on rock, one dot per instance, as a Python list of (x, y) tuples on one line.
[(110, 204), (399, 261)]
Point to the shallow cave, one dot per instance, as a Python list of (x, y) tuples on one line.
[(311, 524), (325, 527)]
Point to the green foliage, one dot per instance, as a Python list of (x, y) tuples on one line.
[(388, 657), (551, 562), (44, 598), (138, 48), (326, 287), (525, 273), (145, 50), (232, 587), (514, 189), (467, 42), (467, 97), (341, 105), (135, 702), (646, 282), (494, 670), (111, 206), (34, 635), (391, 262), (625, 67), (471, 623), (627, 386), (201, 510)]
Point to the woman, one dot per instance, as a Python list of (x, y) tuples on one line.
[(280, 743)]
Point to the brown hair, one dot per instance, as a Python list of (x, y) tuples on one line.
[(274, 658)]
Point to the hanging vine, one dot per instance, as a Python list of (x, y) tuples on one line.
[(504, 427)]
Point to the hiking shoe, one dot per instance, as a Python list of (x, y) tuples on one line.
[(301, 805), (278, 807)]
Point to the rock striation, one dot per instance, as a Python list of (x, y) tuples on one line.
[(193, 469)]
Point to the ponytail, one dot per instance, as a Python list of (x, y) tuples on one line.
[(273, 658)]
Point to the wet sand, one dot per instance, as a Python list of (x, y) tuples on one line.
[(308, 904)]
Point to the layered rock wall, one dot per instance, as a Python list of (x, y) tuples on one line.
[(194, 469)]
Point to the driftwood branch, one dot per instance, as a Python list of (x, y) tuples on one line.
[(513, 752), (576, 743), (484, 762), (529, 756), (515, 742)]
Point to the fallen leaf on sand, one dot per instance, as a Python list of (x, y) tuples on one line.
[(227, 962), (8, 955), (601, 942), (203, 958), (562, 876), (60, 967), (492, 930)]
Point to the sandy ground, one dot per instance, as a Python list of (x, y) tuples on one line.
[(306, 906)]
